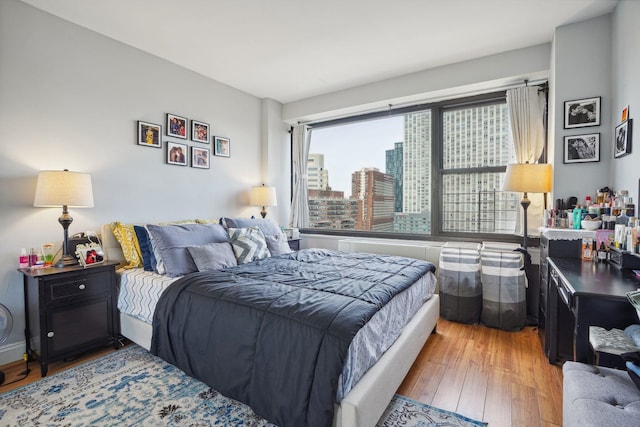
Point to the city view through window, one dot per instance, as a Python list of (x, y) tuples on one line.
[(380, 176)]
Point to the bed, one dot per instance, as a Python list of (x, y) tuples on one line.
[(362, 404)]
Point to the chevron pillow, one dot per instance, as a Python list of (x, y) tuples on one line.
[(248, 244)]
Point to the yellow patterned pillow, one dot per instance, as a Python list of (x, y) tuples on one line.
[(208, 221), (126, 236)]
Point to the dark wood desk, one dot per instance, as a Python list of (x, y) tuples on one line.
[(581, 294)]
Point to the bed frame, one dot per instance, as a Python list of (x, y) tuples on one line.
[(365, 403)]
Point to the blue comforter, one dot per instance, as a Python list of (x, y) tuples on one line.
[(274, 333)]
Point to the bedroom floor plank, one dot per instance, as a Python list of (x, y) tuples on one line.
[(520, 384)]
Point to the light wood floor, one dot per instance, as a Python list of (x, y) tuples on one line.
[(486, 374)]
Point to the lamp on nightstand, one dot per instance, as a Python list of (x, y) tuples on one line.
[(263, 196), (527, 178), (66, 189)]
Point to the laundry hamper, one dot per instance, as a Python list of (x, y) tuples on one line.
[(459, 281), (504, 286)]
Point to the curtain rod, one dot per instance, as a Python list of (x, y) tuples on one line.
[(390, 106)]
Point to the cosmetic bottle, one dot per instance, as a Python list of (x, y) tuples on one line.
[(24, 258)]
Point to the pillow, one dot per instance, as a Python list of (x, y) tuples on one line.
[(269, 228), (126, 237), (144, 242), (213, 256), (632, 360), (170, 243), (277, 244), (248, 244), (207, 221)]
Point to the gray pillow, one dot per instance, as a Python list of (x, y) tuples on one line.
[(213, 256), (278, 244), (248, 244), (272, 233), (171, 242)]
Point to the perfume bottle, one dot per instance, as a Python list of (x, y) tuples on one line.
[(24, 258)]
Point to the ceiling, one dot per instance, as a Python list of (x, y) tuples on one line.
[(294, 49)]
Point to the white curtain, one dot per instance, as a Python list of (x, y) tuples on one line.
[(526, 110), (300, 200)]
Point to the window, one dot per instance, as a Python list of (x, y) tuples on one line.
[(430, 170)]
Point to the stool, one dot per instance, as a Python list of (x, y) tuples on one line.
[(613, 342)]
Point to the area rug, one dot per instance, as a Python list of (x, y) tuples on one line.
[(131, 387)]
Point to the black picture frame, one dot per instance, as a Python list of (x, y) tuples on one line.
[(200, 158), (582, 148), (149, 134), (177, 126), (221, 146), (177, 154), (622, 137), (200, 131), (581, 113)]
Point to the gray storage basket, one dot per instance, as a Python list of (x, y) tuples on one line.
[(459, 279), (504, 283)]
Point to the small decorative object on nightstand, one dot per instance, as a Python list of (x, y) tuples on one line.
[(69, 310)]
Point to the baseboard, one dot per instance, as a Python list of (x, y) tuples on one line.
[(11, 352)]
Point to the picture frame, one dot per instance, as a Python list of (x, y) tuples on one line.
[(221, 146), (582, 113), (199, 131), (582, 148), (200, 158), (177, 154), (177, 126), (622, 139), (89, 254), (149, 134)]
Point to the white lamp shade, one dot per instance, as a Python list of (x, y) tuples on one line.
[(528, 178), (263, 196), (63, 188)]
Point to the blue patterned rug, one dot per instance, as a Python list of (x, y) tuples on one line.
[(131, 387)]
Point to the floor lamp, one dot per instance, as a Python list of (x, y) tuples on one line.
[(527, 178)]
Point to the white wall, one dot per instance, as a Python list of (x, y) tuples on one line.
[(70, 98), (624, 171), (582, 69)]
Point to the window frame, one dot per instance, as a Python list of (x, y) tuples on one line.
[(437, 108)]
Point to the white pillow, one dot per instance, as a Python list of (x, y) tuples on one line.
[(248, 244)]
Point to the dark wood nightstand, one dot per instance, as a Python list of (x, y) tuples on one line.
[(294, 244), (69, 310)]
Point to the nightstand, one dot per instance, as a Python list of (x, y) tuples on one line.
[(69, 310), (294, 244)]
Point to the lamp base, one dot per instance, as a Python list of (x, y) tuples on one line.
[(66, 261)]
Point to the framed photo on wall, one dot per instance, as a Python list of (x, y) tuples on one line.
[(200, 157), (177, 126), (622, 139), (582, 113), (199, 131), (222, 146), (582, 148), (149, 134), (177, 154)]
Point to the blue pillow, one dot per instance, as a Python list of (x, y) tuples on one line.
[(171, 242), (148, 258)]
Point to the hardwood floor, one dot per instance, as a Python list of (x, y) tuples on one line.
[(486, 374)]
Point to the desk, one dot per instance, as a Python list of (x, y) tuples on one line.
[(584, 293)]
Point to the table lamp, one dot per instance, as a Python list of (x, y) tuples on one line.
[(263, 196), (527, 178), (66, 189)]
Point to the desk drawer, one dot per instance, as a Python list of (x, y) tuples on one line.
[(79, 287), (564, 290)]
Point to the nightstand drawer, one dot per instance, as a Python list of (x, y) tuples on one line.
[(79, 287)]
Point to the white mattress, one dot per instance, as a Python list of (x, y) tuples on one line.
[(140, 291)]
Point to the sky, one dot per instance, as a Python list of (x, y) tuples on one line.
[(351, 147)]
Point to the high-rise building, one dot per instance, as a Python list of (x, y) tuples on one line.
[(394, 167), (416, 176), (374, 192), (329, 209), (317, 175)]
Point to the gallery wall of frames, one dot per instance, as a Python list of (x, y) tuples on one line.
[(187, 142)]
